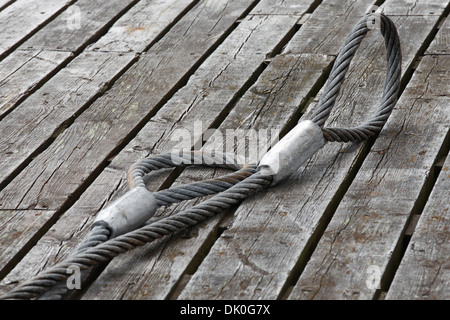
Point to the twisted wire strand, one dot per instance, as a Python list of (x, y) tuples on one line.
[(98, 234), (335, 80), (137, 171)]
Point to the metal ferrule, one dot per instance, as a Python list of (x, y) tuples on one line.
[(292, 151), (129, 212)]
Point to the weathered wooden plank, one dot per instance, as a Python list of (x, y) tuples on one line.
[(144, 144), (156, 75), (45, 52), (28, 128), (286, 7), (413, 8), (353, 258), (16, 230), (23, 17), (441, 43), (258, 256), (424, 272), (339, 17), (22, 71), (56, 244), (140, 26), (78, 25)]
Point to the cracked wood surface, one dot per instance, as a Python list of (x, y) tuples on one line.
[(79, 106), (424, 272), (23, 17), (42, 55)]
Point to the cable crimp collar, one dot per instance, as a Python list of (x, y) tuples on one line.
[(292, 151), (129, 212)]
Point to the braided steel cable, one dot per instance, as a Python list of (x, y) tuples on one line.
[(230, 189), (97, 235), (233, 188), (336, 78), (103, 252)]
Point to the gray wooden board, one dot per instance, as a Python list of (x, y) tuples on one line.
[(86, 131), (16, 230), (273, 231), (23, 17), (77, 25), (22, 71), (424, 272), (141, 25), (441, 43), (285, 7), (324, 30), (20, 66), (248, 43), (353, 257), (57, 242), (40, 116), (415, 8), (111, 181), (45, 52)]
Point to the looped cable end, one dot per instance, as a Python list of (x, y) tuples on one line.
[(129, 212)]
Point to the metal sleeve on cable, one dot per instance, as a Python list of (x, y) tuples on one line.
[(292, 151), (129, 212)]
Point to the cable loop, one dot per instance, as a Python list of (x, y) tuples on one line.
[(335, 80)]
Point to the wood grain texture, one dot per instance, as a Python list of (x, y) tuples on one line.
[(415, 8), (325, 27), (441, 43), (30, 126), (285, 7), (331, 231), (136, 30), (22, 71), (77, 25), (366, 231), (5, 3), (23, 17), (424, 272)]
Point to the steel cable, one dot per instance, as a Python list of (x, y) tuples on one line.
[(251, 182), (230, 189)]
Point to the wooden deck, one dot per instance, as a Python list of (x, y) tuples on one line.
[(88, 87)]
